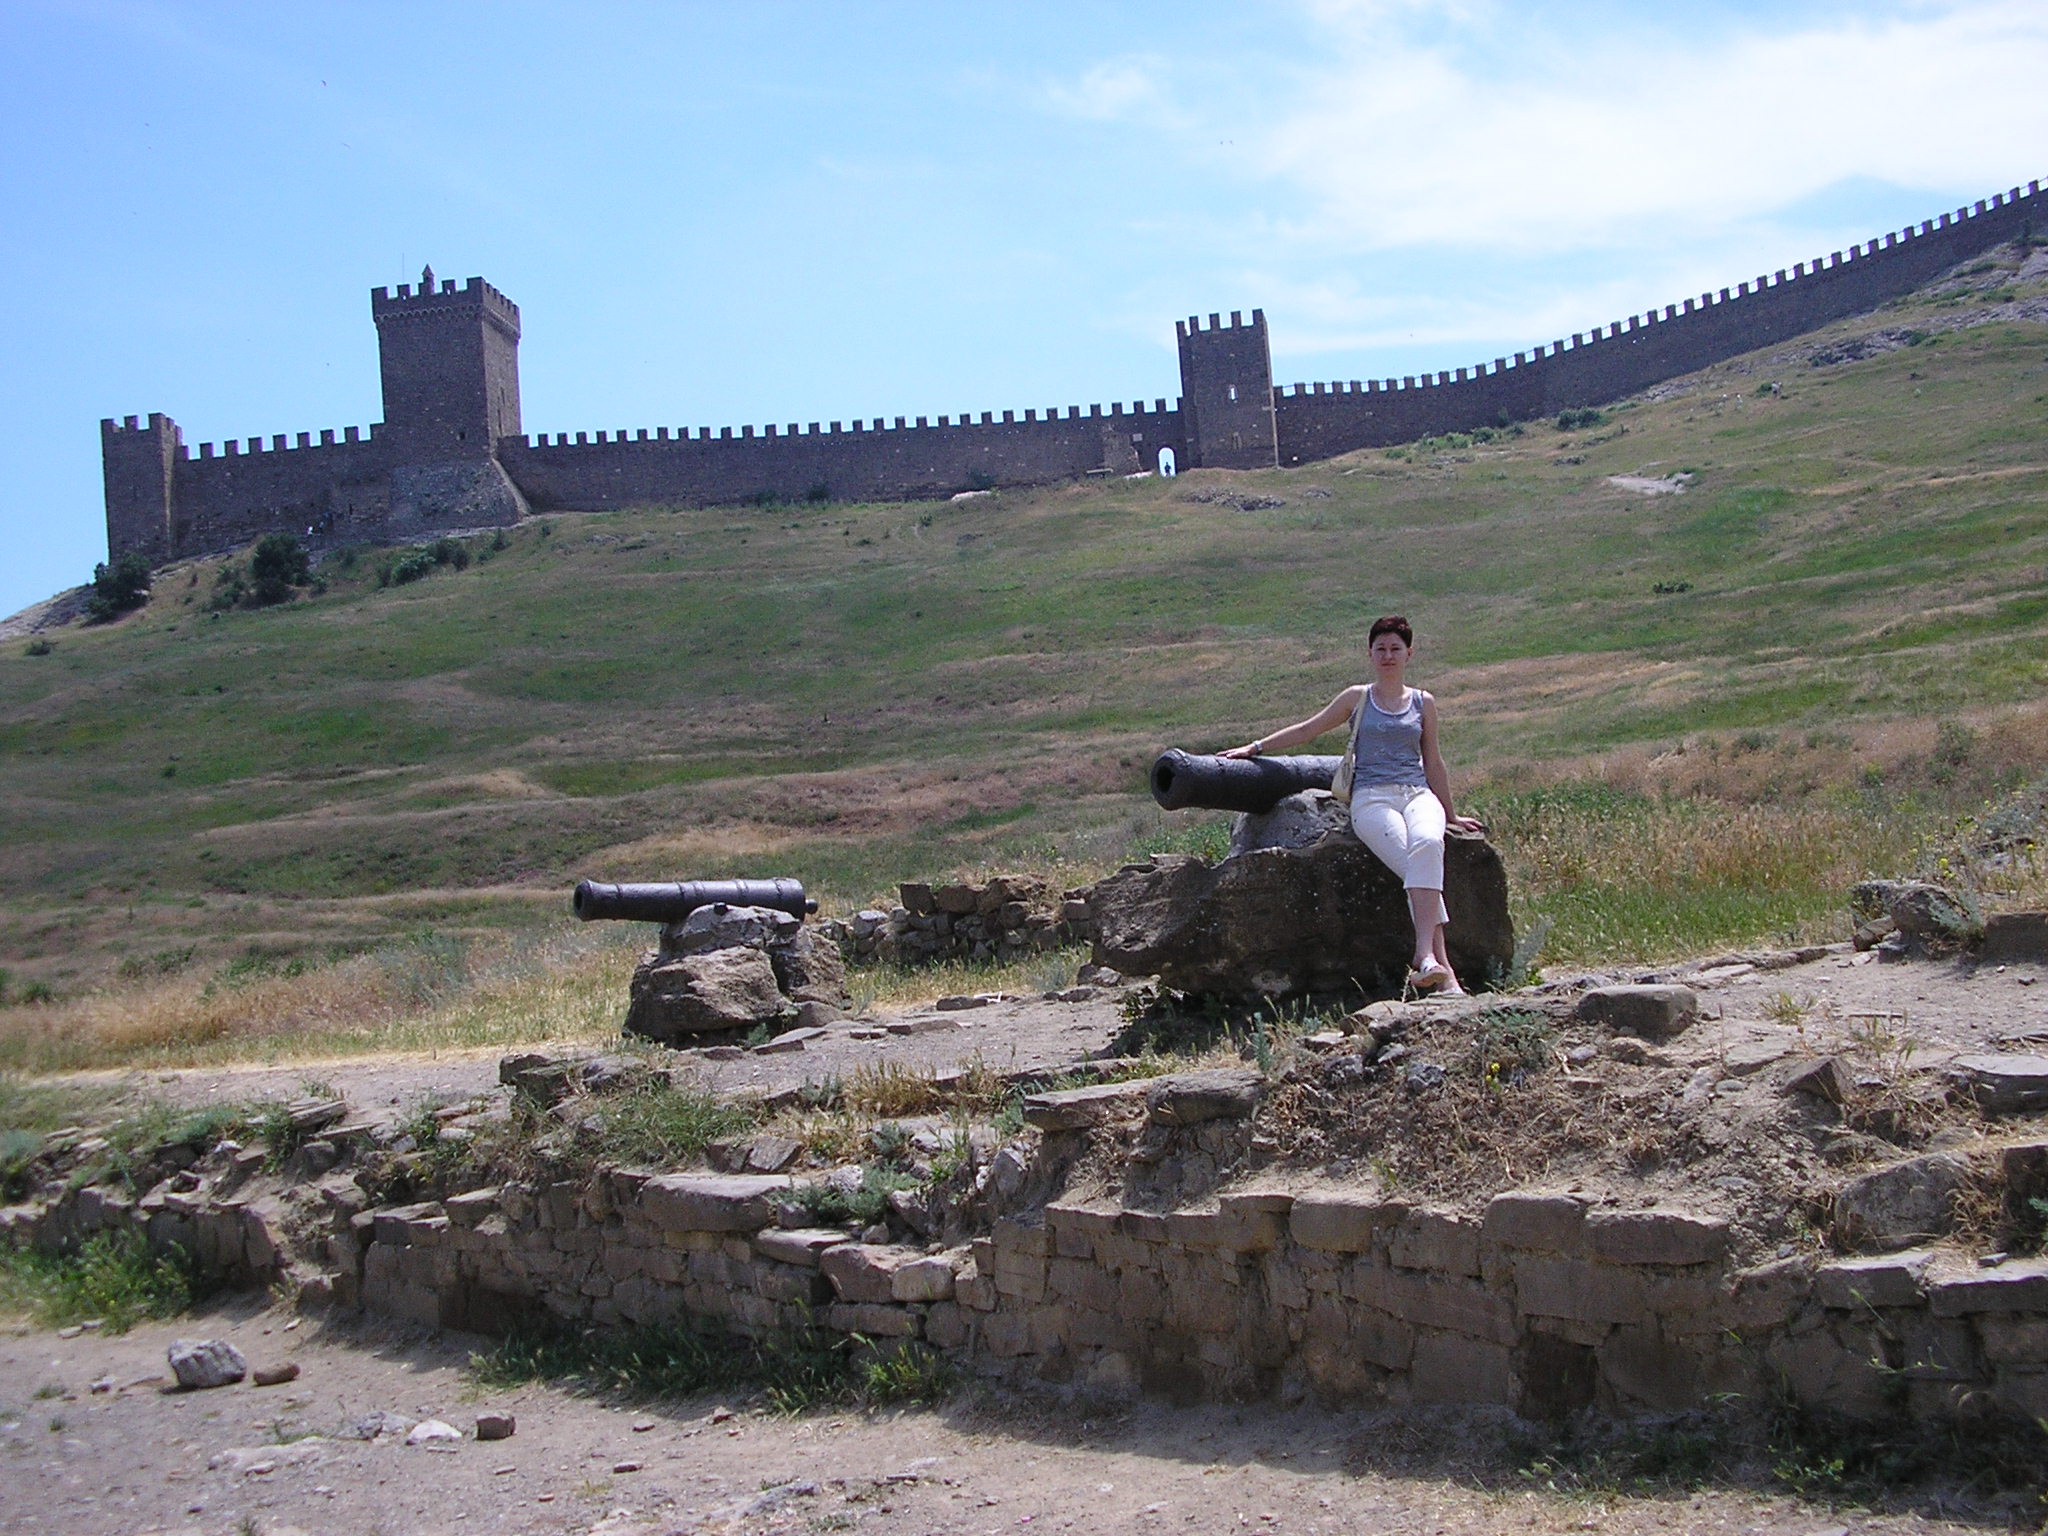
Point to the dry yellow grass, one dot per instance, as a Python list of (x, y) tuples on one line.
[(422, 995)]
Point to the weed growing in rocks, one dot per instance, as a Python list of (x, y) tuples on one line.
[(794, 1372), (112, 1277)]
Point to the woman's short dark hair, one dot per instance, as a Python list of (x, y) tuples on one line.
[(1392, 624)]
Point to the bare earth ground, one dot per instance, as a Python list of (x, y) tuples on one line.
[(1943, 1008), (136, 1459)]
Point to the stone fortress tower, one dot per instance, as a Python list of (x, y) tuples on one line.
[(448, 359), (452, 452)]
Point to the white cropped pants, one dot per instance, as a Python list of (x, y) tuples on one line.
[(1404, 825)]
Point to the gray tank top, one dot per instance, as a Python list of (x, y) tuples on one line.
[(1387, 747)]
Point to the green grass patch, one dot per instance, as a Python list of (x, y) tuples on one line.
[(794, 1372), (112, 1277)]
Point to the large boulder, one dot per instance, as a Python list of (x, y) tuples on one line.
[(1328, 918), (727, 989), (1294, 822), (1896, 1207), (722, 927), (811, 969)]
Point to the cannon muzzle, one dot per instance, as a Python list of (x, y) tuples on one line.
[(1184, 781), (670, 901)]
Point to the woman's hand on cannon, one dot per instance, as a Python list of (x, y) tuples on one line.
[(1249, 749), (1466, 824)]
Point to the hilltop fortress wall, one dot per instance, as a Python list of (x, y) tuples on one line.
[(1316, 421), (451, 452)]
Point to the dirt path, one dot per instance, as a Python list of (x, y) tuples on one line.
[(136, 1459), (1941, 1008), (1007, 1035)]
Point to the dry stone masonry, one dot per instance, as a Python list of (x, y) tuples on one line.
[(1001, 919), (1541, 1300)]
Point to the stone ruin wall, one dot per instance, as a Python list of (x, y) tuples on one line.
[(1542, 1302), (1005, 918)]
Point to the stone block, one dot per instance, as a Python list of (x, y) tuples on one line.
[(1891, 1280), (1202, 1308), (1081, 1283), (1006, 1335), (863, 1271), (797, 1245), (1085, 1222), (946, 1326), (1764, 1297), (1906, 1203), (2013, 1340), (2018, 1285), (2023, 1392), (1652, 1012), (1190, 1098), (1011, 1236), (1384, 1340), (1656, 1237), (1341, 1221), (1249, 1231), (710, 1202), (1824, 1371), (1284, 1283), (1432, 1239), (792, 1284), (928, 1277), (1144, 1226), (1078, 1109), (974, 1289), (1140, 1296), (1644, 1367), (1548, 1223), (470, 1208), (1434, 1301), (1451, 1368), (1021, 1279), (392, 1225), (2004, 1082), (1580, 1290)]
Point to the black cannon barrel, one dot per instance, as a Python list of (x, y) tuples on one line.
[(1183, 781), (670, 901)]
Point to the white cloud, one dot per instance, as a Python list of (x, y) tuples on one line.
[(1630, 140), (1424, 123), (1114, 90)]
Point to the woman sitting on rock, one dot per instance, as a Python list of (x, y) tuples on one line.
[(1400, 794)]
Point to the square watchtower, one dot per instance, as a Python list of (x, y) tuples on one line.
[(449, 358), (1226, 386)]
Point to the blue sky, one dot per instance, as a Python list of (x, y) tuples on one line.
[(732, 213)]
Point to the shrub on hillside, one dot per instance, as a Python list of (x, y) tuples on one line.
[(1574, 420), (412, 563), (277, 565), (117, 588)]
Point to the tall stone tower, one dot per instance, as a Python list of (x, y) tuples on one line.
[(449, 358), (139, 462), (450, 363), (1226, 387)]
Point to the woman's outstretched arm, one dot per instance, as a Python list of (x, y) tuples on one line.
[(1332, 715)]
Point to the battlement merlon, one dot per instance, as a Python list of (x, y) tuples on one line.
[(444, 299)]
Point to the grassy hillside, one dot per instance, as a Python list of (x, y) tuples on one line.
[(858, 694)]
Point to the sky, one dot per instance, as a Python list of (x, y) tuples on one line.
[(720, 214)]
